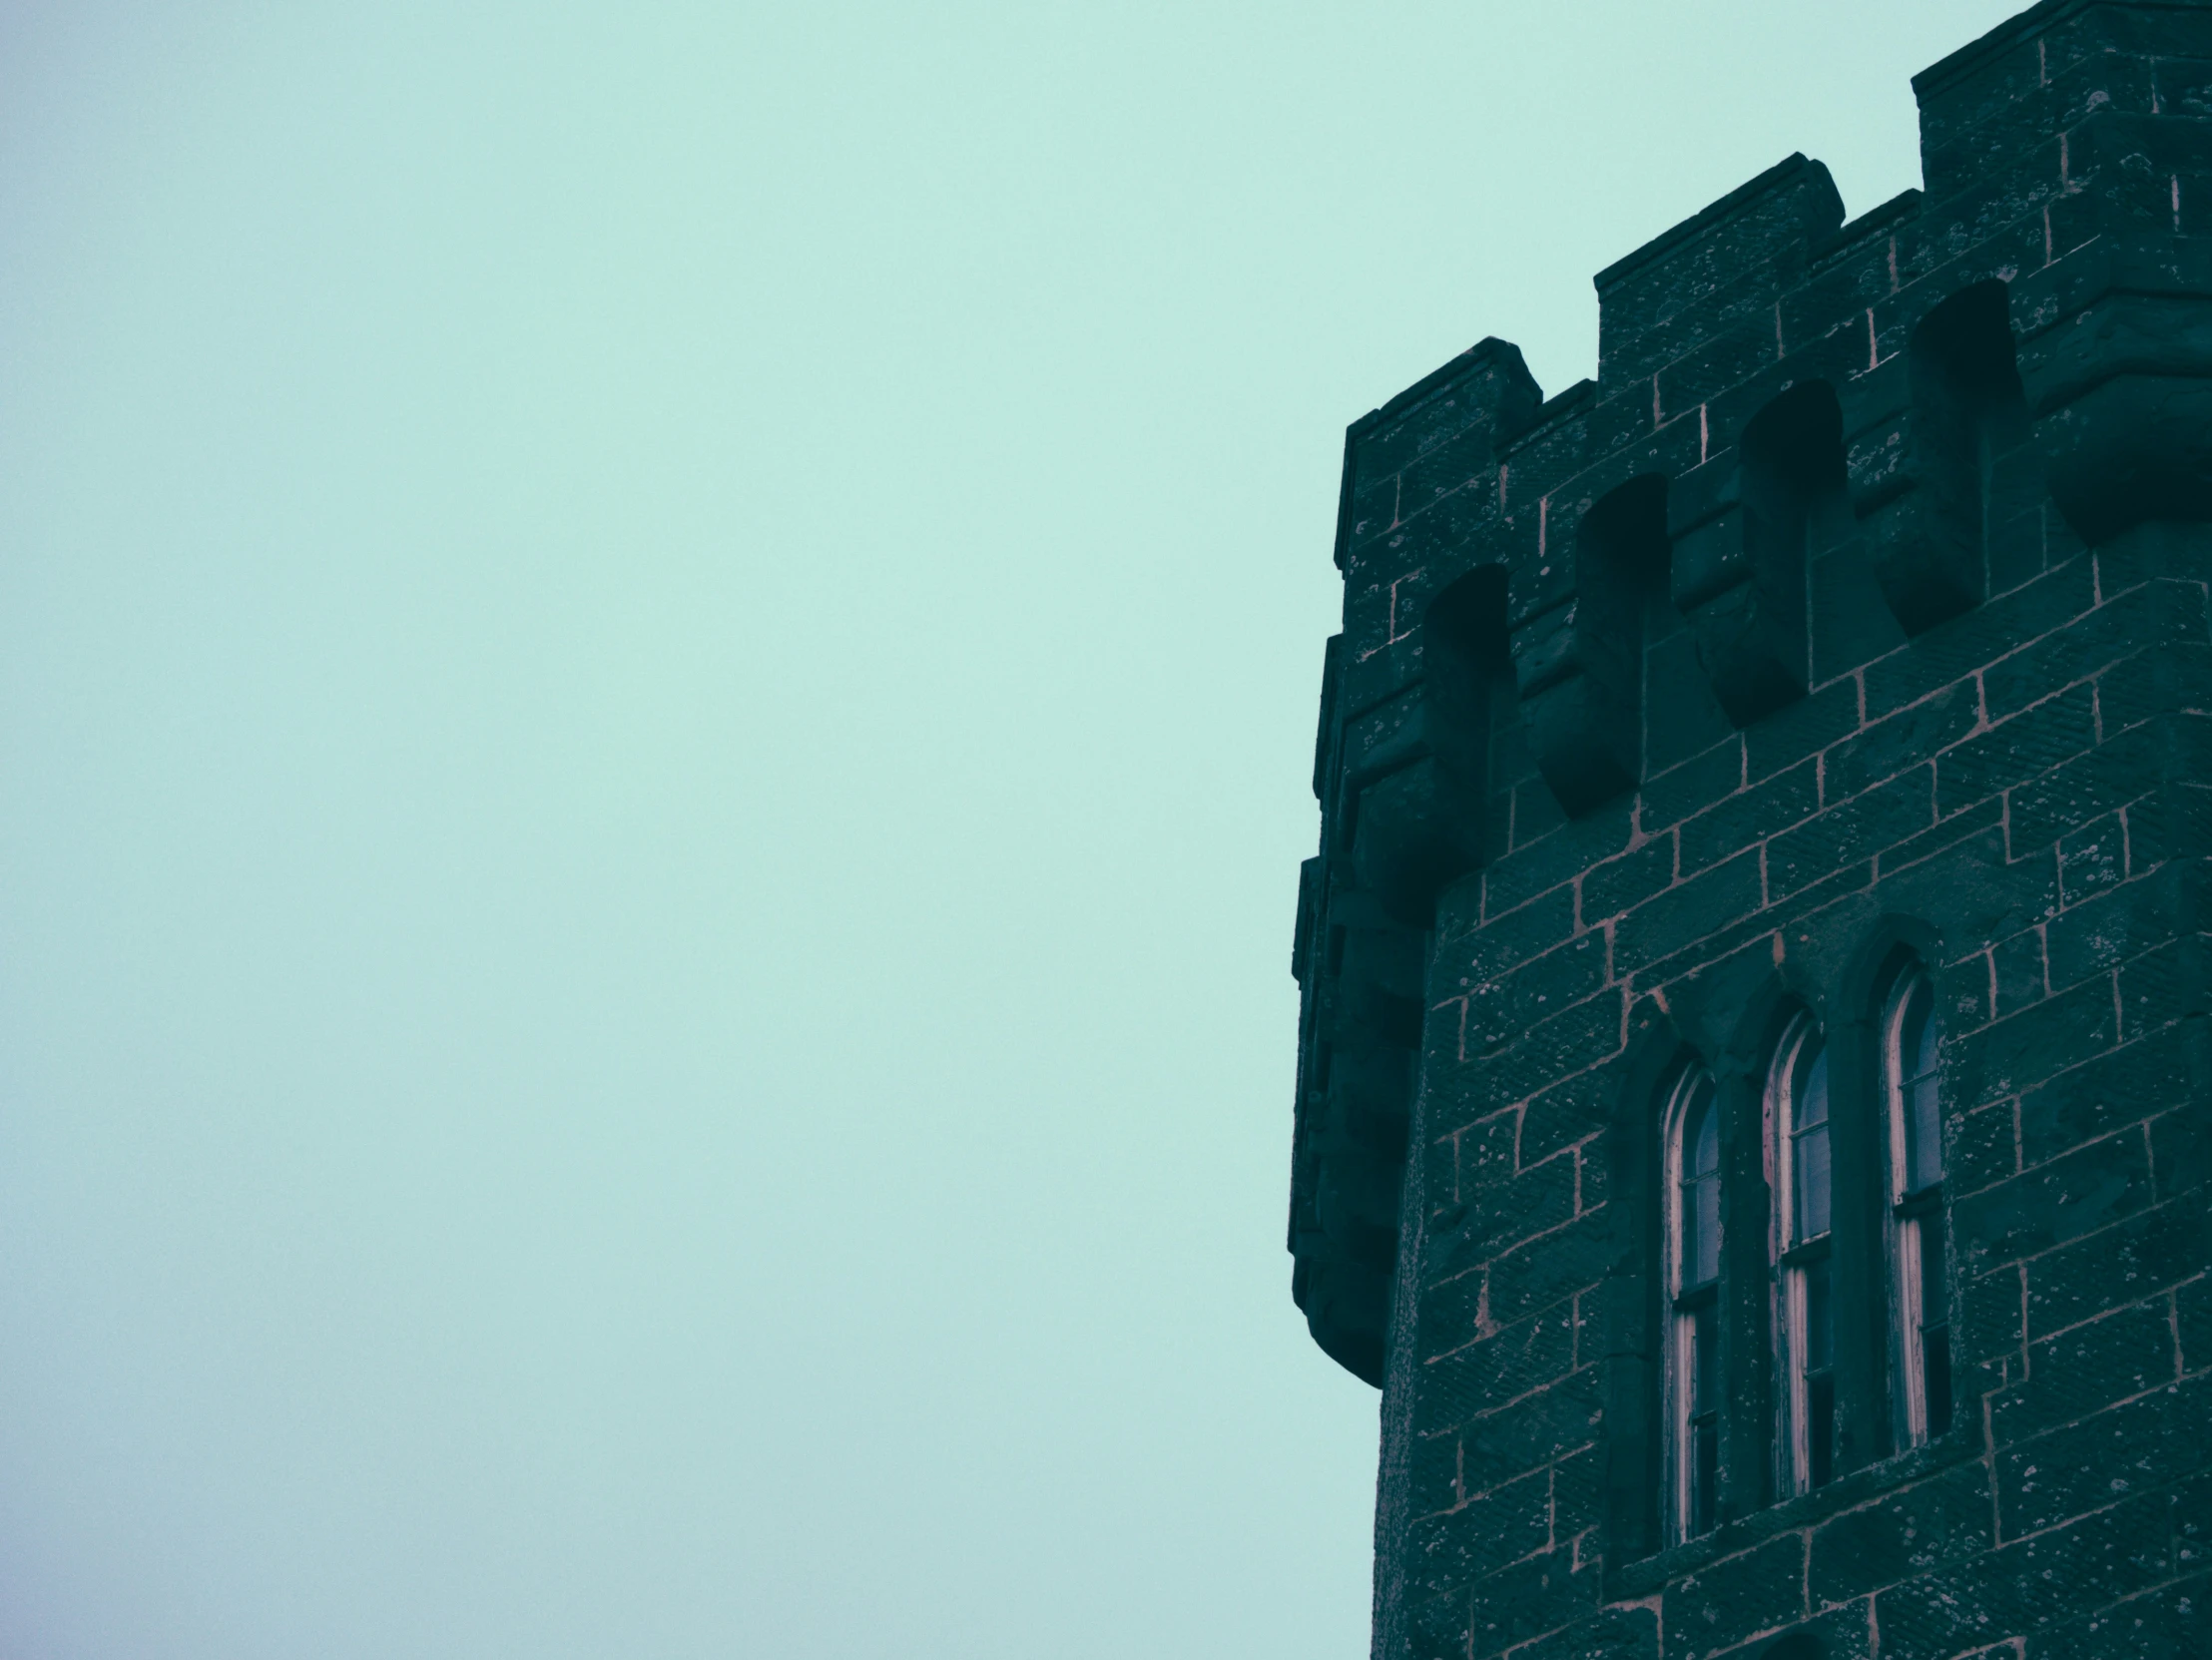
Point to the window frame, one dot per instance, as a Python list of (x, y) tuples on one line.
[(1692, 1510), (1907, 1210), (1801, 1268)]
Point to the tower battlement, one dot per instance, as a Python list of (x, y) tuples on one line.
[(1850, 625)]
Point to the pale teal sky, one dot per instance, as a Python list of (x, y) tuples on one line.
[(657, 676)]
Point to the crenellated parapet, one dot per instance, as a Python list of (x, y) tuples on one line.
[(1402, 768), (1616, 661)]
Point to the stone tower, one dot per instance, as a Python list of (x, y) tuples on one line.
[(1753, 1114)]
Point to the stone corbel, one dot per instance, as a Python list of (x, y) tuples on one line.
[(1578, 695), (1578, 661), (2121, 387), (1416, 802), (1926, 569), (1744, 609), (1376, 1031), (1414, 835)]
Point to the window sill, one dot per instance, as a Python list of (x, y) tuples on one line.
[(1647, 1576)]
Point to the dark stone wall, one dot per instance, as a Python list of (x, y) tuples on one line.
[(1860, 602)]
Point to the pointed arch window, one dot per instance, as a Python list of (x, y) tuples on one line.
[(1693, 1383), (1798, 1170), (1920, 1287)]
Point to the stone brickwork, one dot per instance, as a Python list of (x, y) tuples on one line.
[(1854, 616)]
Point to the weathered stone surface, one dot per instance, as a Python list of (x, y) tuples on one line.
[(1859, 607)]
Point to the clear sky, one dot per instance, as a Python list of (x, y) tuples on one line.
[(656, 681)]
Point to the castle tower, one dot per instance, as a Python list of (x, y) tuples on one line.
[(1755, 1098)]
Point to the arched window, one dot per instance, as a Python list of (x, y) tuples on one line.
[(1693, 1384), (1910, 1040), (1798, 1171)]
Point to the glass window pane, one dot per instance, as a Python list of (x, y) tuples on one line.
[(1700, 1132), (1918, 1034), (1690, 1269), (1811, 1105), (1924, 1137), (1819, 1351), (1699, 1219), (1917, 1041), (1811, 1178), (1701, 1255), (1914, 1064)]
